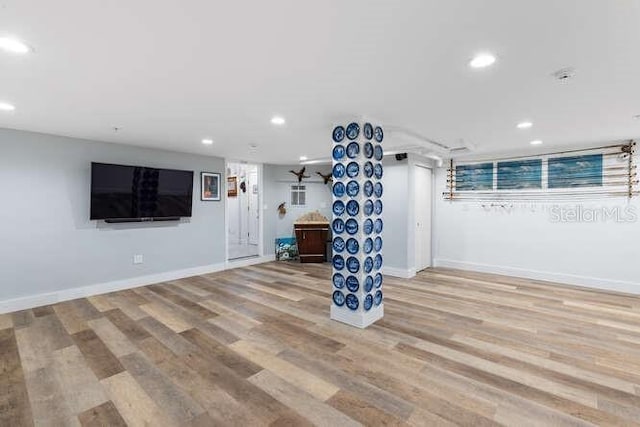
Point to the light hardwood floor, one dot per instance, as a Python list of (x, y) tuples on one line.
[(254, 346)]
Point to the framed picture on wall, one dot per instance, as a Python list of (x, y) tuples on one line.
[(210, 186), (232, 186)]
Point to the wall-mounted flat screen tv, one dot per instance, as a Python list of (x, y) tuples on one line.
[(122, 193)]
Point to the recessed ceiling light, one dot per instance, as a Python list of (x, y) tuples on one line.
[(5, 106), (524, 125), (207, 141), (536, 142), (12, 45), (482, 60), (277, 120), (637, 117), (303, 158)]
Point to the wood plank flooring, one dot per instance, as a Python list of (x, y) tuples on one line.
[(254, 346)]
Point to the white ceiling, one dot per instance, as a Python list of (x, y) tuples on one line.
[(170, 73)]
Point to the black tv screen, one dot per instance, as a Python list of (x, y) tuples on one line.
[(121, 192)]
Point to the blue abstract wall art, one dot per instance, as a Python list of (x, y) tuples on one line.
[(476, 177), (520, 174), (576, 171)]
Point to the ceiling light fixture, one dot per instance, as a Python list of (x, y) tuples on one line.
[(524, 125), (207, 141), (303, 158), (637, 117), (11, 45), (536, 142), (277, 120), (482, 60), (5, 106)]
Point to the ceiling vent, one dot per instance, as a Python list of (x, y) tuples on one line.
[(564, 74)]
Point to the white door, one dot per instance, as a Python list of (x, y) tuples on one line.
[(253, 209), (422, 197)]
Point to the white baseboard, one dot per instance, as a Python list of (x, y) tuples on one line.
[(399, 272), (569, 279), (38, 300), (358, 318), (245, 262)]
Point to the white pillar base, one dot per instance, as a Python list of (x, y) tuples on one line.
[(357, 318)]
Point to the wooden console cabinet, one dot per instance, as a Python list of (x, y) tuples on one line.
[(312, 241)]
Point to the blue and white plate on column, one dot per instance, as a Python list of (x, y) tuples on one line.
[(378, 134), (368, 207), (338, 298), (352, 283), (338, 189), (338, 207), (338, 133), (378, 170), (353, 169), (367, 246), (378, 298), (338, 226), (368, 188), (368, 265), (368, 169), (368, 131), (352, 302), (338, 170), (353, 130), (338, 262), (338, 244), (338, 152), (353, 207), (338, 281), (353, 188), (378, 189), (353, 149), (378, 226), (368, 302), (377, 244), (351, 226), (353, 246), (377, 262), (368, 284), (368, 150), (377, 152), (353, 265), (377, 280), (377, 207), (367, 226)]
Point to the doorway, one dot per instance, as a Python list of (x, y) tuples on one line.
[(243, 201), (423, 195)]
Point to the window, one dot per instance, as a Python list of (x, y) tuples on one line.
[(298, 195)]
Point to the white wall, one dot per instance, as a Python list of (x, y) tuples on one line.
[(48, 243), (525, 241), (277, 189)]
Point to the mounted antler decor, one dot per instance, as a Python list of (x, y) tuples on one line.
[(300, 174), (327, 178)]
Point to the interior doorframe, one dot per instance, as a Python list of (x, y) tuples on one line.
[(260, 174), (431, 168)]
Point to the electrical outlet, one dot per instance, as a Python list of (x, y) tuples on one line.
[(138, 259)]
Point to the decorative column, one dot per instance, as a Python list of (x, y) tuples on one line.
[(357, 225)]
